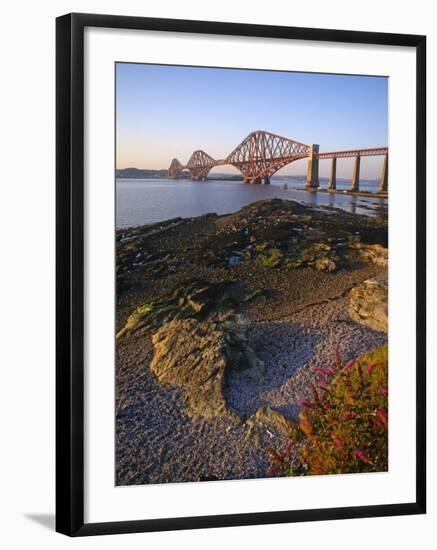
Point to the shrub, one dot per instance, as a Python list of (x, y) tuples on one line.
[(344, 427)]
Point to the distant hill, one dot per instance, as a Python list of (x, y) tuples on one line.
[(143, 173), (140, 173)]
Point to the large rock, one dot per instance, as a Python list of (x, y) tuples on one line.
[(196, 300), (196, 355), (369, 305)]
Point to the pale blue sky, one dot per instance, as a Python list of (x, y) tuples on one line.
[(169, 111)]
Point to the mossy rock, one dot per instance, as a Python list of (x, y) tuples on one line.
[(196, 300), (325, 264), (318, 255), (272, 257)]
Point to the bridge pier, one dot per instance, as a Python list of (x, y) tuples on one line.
[(256, 180), (266, 180), (383, 182), (246, 179), (332, 182), (312, 181), (356, 175)]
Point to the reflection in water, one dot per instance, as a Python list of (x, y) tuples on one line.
[(332, 199), (142, 201), (311, 198), (353, 206)]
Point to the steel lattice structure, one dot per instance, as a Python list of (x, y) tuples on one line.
[(260, 155), (200, 164), (175, 168)]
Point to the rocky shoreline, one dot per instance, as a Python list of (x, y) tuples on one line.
[(222, 322)]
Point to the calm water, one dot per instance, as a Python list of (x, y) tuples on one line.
[(143, 201)]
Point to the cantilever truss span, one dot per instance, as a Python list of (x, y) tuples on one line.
[(200, 164), (262, 153)]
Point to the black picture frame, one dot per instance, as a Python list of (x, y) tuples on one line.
[(70, 273)]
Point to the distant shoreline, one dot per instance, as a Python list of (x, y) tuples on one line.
[(218, 177), (231, 177)]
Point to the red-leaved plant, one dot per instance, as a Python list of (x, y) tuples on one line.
[(343, 428)]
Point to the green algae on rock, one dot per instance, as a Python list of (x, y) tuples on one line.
[(272, 257), (197, 300)]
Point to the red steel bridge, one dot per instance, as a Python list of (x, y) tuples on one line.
[(262, 154)]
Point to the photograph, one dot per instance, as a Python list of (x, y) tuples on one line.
[(251, 274), (224, 245)]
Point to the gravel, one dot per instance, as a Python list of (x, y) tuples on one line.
[(158, 443)]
